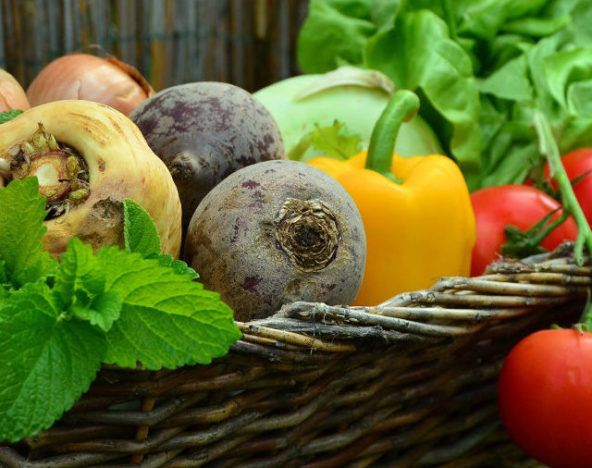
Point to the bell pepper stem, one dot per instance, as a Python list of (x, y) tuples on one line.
[(548, 147), (402, 107)]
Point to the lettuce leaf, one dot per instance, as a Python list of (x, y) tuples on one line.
[(480, 67)]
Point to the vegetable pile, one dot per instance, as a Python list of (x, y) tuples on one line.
[(424, 139)]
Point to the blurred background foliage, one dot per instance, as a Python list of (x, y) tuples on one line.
[(250, 43)]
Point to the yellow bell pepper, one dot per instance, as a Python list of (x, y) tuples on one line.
[(419, 223)]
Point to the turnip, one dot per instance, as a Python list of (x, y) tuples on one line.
[(88, 158), (276, 232), (203, 132)]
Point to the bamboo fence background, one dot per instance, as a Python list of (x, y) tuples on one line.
[(250, 43)]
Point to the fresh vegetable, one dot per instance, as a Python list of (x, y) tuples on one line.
[(334, 113), (545, 385), (12, 95), (88, 158), (578, 166), (545, 396), (205, 131), (59, 321), (416, 211), (550, 151), (277, 232), (518, 208), (480, 67), (84, 76)]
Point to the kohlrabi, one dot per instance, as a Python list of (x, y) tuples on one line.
[(335, 113)]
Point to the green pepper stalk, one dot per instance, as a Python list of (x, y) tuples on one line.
[(548, 147), (402, 107)]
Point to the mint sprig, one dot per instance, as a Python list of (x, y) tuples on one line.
[(167, 320), (46, 361), (140, 234), (61, 319), (22, 212)]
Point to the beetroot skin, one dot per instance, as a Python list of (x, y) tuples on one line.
[(205, 131), (277, 232)]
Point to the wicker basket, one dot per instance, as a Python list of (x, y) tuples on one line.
[(408, 383)]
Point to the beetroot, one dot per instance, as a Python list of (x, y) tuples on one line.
[(277, 232), (205, 131)]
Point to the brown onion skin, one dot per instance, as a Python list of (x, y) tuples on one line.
[(12, 94), (84, 76)]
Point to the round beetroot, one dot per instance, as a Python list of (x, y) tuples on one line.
[(277, 232), (203, 132)]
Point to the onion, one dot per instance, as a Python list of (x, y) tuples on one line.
[(91, 78), (12, 95)]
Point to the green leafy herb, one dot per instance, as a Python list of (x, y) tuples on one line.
[(59, 320), (167, 320), (140, 233), (6, 116), (22, 212), (141, 236), (46, 361), (80, 286), (333, 141)]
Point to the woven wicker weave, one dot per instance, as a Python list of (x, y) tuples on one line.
[(408, 383)]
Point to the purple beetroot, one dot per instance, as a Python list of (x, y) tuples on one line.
[(205, 131), (274, 233)]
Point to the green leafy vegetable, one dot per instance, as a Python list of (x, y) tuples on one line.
[(46, 361), (441, 70), (139, 232), (333, 141), (480, 67), (59, 320), (141, 236), (6, 116), (80, 286), (167, 320), (22, 212)]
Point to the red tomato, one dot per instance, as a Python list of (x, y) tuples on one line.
[(545, 397), (576, 163), (518, 205)]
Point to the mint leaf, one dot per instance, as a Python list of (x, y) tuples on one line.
[(80, 287), (102, 310), (79, 270), (46, 362), (141, 236), (139, 231), (22, 211), (167, 320), (8, 115), (178, 266)]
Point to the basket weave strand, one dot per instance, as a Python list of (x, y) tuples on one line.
[(410, 382)]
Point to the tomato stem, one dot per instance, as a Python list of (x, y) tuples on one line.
[(548, 147)]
